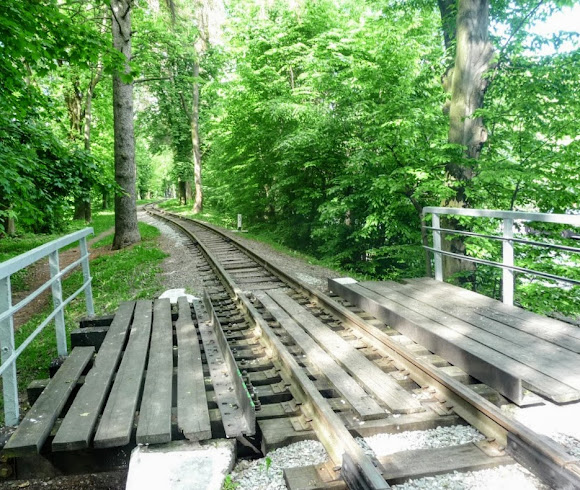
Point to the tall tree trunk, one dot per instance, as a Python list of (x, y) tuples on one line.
[(198, 205), (473, 58), (126, 229), (7, 224), (188, 191)]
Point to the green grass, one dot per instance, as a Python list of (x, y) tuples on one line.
[(127, 274)]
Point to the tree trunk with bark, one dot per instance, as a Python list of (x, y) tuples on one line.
[(198, 204), (126, 229), (467, 85)]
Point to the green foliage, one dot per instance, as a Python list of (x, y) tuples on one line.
[(229, 483), (42, 172), (327, 127)]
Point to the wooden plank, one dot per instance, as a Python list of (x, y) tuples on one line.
[(155, 412), (263, 286), (253, 280), (419, 463), (483, 363), (375, 381), (365, 406), (521, 318), (79, 423), (117, 420), (467, 309), (192, 409), (36, 426), (536, 354)]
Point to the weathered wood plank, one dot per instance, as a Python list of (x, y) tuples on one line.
[(520, 318), (535, 353), (418, 463), (468, 310), (117, 420), (483, 363), (362, 403), (262, 286), (36, 426), (380, 384), (79, 423), (155, 412), (192, 409)]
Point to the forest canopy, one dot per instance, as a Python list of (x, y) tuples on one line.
[(329, 124)]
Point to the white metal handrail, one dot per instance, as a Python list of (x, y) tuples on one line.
[(9, 354), (507, 239)]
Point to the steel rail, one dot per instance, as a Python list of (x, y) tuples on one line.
[(358, 470), (544, 457)]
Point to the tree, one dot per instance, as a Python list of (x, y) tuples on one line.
[(126, 229)]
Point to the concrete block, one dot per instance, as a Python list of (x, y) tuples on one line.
[(182, 465)]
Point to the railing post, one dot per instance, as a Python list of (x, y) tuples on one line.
[(59, 324), (87, 277), (9, 380), (508, 259), (437, 246)]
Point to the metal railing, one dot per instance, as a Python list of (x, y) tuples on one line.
[(508, 239), (9, 354)]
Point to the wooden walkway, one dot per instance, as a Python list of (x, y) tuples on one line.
[(128, 384), (503, 346)]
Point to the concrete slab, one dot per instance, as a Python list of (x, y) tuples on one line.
[(182, 465)]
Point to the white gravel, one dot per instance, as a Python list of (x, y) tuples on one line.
[(267, 473), (511, 477), (385, 444), (558, 422)]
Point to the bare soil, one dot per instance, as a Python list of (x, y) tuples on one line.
[(110, 480), (38, 273)]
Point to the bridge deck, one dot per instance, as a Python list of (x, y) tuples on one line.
[(506, 347)]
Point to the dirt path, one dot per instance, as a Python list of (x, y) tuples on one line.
[(39, 273)]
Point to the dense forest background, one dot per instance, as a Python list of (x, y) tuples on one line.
[(327, 124)]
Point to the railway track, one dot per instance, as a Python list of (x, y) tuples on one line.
[(316, 367)]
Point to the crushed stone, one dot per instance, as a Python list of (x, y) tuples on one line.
[(268, 473), (560, 423), (385, 444), (513, 477)]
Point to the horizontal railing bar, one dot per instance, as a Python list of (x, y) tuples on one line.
[(17, 263), (40, 328), (503, 239), (567, 219), (503, 266), (41, 289)]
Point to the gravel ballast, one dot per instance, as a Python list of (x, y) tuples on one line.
[(180, 268), (385, 444), (511, 477), (268, 473), (557, 422)]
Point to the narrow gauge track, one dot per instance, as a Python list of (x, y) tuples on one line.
[(261, 307)]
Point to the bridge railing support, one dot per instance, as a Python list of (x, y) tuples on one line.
[(9, 352), (508, 218)]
